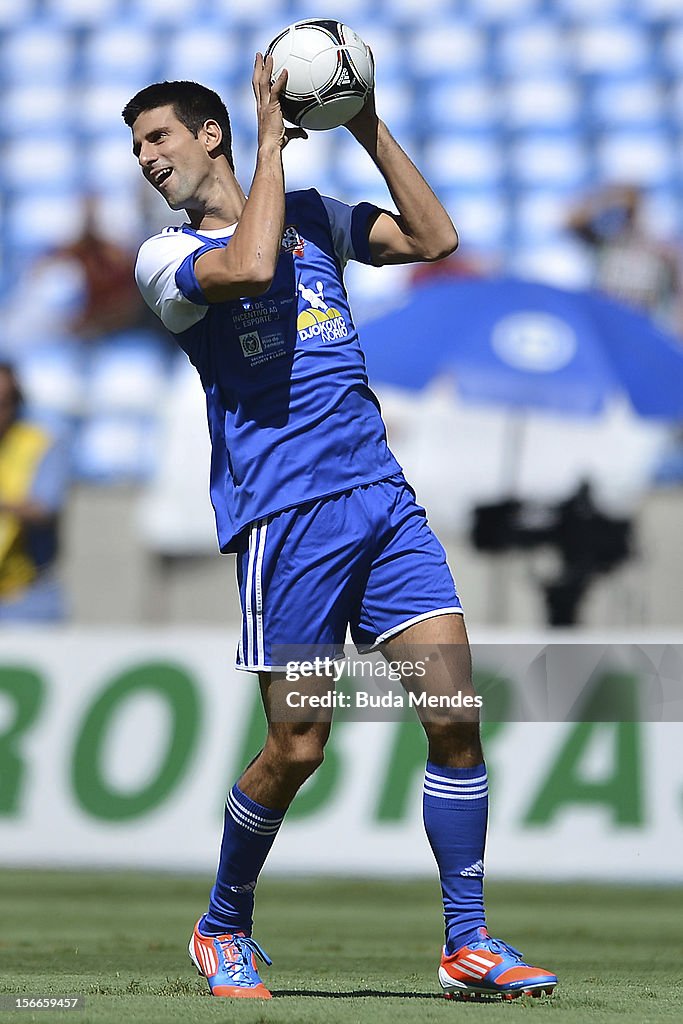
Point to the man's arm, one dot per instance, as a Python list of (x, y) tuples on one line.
[(422, 231), (247, 266)]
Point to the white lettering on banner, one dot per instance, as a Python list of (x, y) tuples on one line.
[(81, 785)]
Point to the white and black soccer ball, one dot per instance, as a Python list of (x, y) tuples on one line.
[(330, 72)]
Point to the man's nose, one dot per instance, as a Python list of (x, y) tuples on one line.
[(146, 155)]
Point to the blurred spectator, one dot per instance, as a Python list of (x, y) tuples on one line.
[(110, 298), (33, 481), (630, 264)]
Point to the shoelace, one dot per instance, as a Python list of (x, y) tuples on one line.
[(498, 946), (241, 966)]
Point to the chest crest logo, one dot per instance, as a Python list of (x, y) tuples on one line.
[(292, 241)]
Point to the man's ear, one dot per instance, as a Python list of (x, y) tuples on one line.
[(211, 134)]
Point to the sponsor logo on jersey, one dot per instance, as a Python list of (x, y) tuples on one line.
[(251, 343), (319, 320), (292, 241)]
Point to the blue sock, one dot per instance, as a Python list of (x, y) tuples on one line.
[(248, 833), (455, 808)]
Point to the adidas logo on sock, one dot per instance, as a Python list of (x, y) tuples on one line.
[(239, 889), (475, 870)]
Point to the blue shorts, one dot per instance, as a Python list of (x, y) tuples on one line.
[(365, 558)]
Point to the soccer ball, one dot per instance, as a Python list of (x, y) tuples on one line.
[(330, 72)]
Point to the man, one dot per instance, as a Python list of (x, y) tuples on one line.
[(33, 480), (306, 492), (631, 264)]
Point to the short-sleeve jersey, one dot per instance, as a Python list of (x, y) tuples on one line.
[(291, 416)]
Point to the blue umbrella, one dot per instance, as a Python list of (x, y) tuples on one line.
[(527, 345)]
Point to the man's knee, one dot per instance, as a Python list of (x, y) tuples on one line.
[(297, 755)]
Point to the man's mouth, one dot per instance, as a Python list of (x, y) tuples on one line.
[(161, 176)]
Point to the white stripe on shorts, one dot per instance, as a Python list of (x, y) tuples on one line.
[(260, 645), (248, 611)]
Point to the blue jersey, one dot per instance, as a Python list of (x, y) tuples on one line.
[(291, 416)]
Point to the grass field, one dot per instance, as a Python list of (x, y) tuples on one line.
[(343, 951)]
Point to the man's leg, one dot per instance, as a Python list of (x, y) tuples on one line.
[(455, 801), (254, 810), (256, 806), (455, 808)]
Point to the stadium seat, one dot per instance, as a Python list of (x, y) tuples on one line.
[(388, 48), (406, 12), (663, 213), (549, 159), (469, 104), (375, 289), (99, 106), (81, 13), (540, 213), (38, 54), (447, 50), (560, 262), (202, 52), (501, 12), (541, 101), (530, 47), (115, 449), (611, 48), (128, 222), (631, 102), (164, 13), (672, 50), (353, 168), (57, 166), (16, 12), (658, 10), (256, 13), (127, 374), (586, 11), (481, 217), (460, 161), (124, 52), (27, 107), (353, 10), (395, 98), (53, 378), (645, 158), (309, 164), (108, 162)]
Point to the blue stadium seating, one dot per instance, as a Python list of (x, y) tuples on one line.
[(513, 108)]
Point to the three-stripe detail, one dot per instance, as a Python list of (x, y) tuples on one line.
[(207, 957), (252, 645), (456, 789), (474, 965), (255, 823)]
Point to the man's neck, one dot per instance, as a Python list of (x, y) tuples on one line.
[(222, 210)]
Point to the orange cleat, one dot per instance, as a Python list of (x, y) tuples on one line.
[(490, 969), (228, 962)]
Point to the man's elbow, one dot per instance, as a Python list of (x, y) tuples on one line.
[(441, 246), (255, 284)]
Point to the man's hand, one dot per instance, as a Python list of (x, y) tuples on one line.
[(363, 125), (271, 127)]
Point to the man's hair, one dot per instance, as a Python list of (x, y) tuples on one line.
[(193, 105)]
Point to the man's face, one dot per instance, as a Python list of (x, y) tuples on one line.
[(175, 162)]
